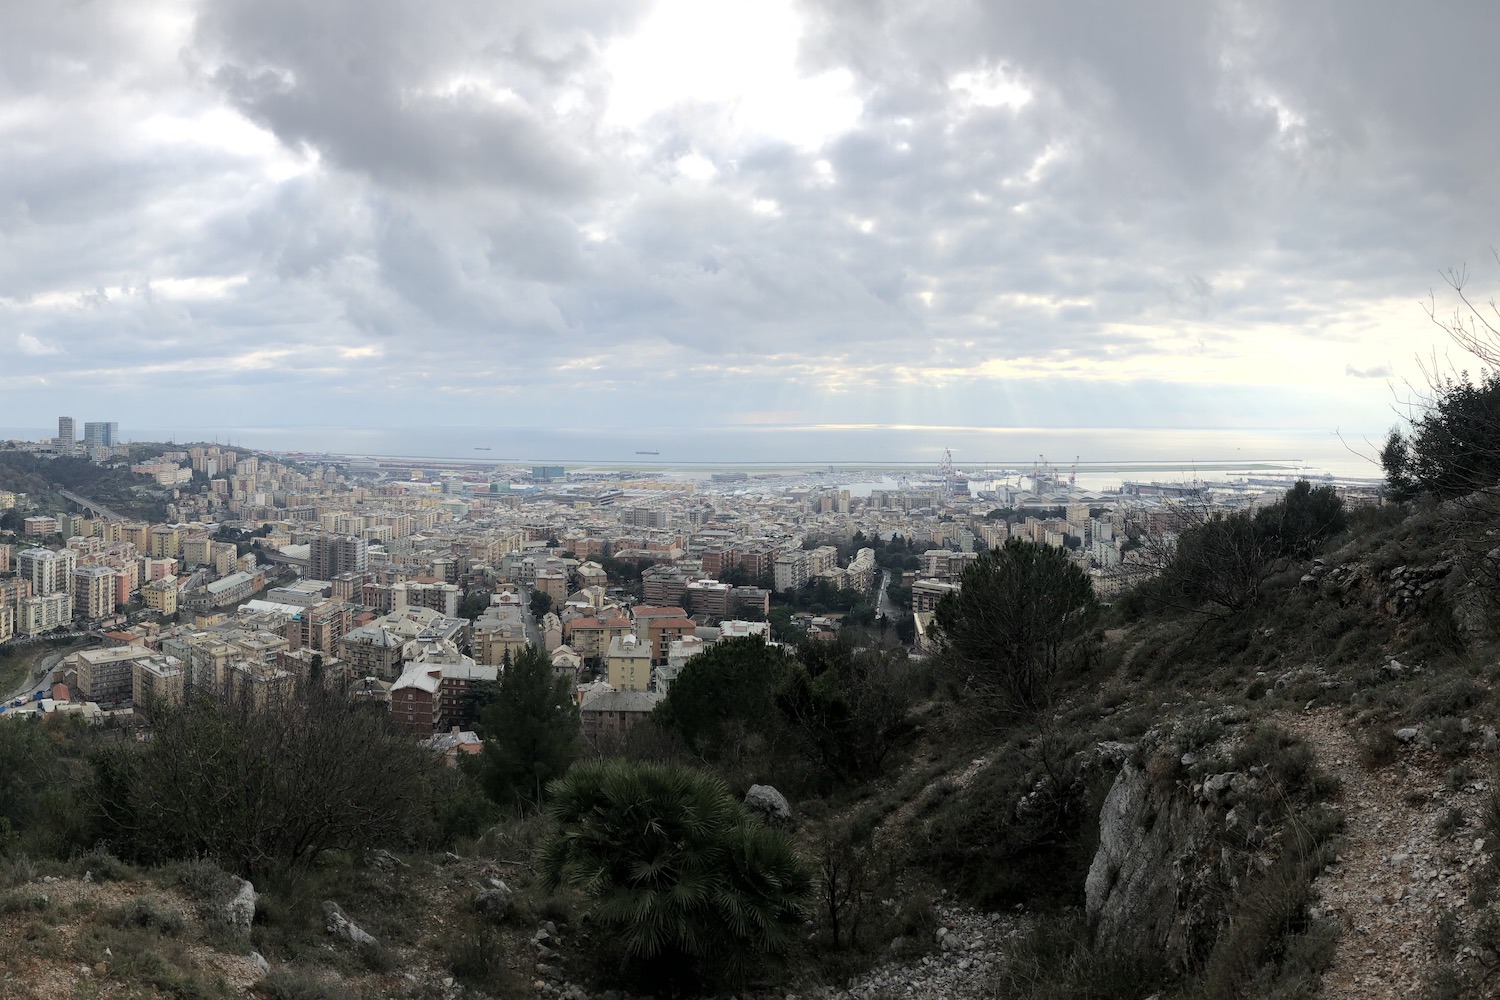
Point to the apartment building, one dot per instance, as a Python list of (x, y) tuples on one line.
[(157, 682), (628, 661), (590, 636), (35, 615), (161, 596), (372, 651), (93, 592), (108, 675), (707, 597), (332, 556), (39, 526), (321, 627), (164, 542), (47, 571)]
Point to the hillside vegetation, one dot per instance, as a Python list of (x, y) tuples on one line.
[(111, 484)]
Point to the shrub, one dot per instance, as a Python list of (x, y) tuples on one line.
[(207, 885), (1271, 947), (20, 902), (1451, 698), (476, 959), (264, 789), (1024, 829), (102, 866), (20, 870), (146, 915), (680, 876), (1055, 960), (301, 984)]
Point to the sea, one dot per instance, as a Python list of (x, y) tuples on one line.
[(1102, 457)]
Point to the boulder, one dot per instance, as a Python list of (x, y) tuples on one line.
[(341, 926), (494, 902), (770, 803), (239, 911), (258, 963)]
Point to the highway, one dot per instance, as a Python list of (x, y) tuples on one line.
[(88, 504)]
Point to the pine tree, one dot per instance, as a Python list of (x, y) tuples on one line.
[(530, 731)]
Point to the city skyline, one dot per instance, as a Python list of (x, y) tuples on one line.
[(745, 219)]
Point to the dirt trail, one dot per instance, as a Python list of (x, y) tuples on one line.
[(1395, 874)]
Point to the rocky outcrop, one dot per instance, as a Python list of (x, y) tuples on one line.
[(1148, 840), (1172, 849)]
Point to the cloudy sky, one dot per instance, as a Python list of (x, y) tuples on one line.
[(735, 216)]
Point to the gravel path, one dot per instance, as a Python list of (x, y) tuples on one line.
[(1396, 874)]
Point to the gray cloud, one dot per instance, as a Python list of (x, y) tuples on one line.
[(409, 213)]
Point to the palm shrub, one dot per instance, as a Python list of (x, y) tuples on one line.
[(680, 875)]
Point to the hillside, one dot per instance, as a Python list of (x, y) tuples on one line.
[(1292, 798), (112, 485)]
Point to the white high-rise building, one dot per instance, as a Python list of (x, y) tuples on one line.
[(47, 571), (67, 435)]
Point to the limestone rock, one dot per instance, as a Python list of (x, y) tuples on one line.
[(340, 925), (769, 803), (494, 902), (239, 911), (1135, 885)]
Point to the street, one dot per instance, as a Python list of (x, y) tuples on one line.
[(533, 631), (42, 668), (883, 606)]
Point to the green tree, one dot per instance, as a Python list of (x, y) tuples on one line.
[(541, 602), (530, 730), (722, 692), (39, 811), (1454, 445), (1220, 564), (683, 879), (847, 707), (1019, 607), (473, 604), (1302, 520)]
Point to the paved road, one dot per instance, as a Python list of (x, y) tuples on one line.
[(43, 668), (883, 606), (533, 632)]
